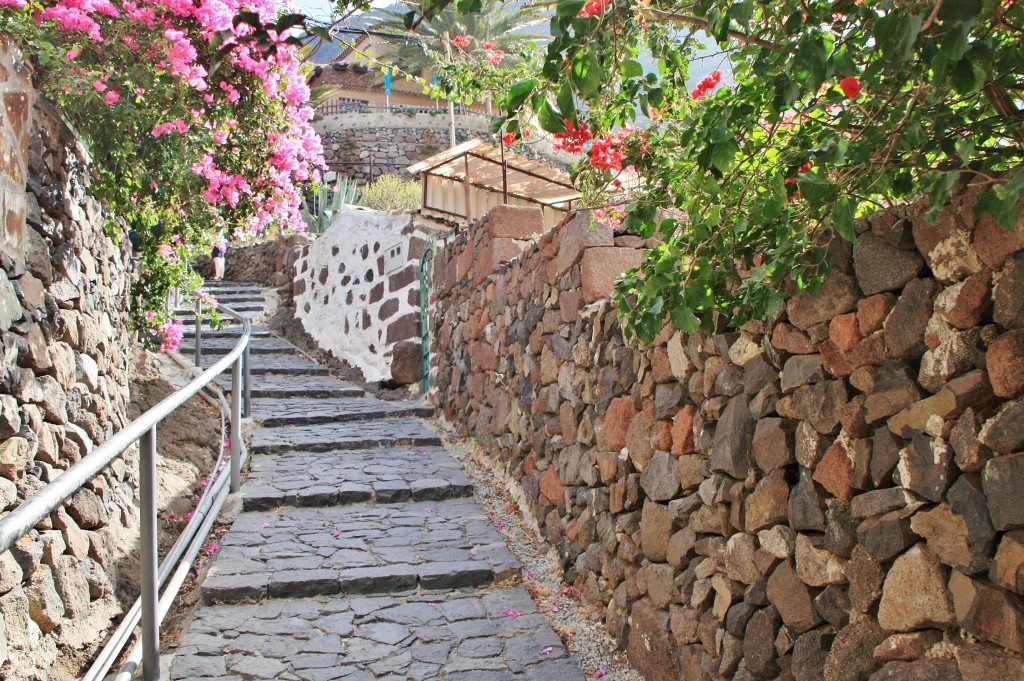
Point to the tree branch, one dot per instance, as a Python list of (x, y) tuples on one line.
[(703, 24)]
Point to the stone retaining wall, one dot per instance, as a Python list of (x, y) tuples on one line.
[(393, 140), (63, 325), (836, 495)]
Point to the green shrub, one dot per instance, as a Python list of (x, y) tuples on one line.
[(390, 192)]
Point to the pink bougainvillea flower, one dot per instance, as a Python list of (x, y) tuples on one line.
[(432, 604), (99, 85), (600, 672), (556, 608), (510, 613), (112, 97), (546, 651), (494, 57), (211, 547), (850, 86), (428, 509), (265, 525), (335, 534)]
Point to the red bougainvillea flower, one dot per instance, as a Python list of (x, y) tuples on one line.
[(461, 41), (706, 85), (573, 139), (488, 46), (495, 56), (850, 86), (593, 8), (508, 138)]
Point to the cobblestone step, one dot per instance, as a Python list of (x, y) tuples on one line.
[(344, 477), (358, 549), (395, 432), (457, 636), (278, 386), (261, 345), (301, 412), (276, 363), (227, 331), (247, 308), (229, 298)]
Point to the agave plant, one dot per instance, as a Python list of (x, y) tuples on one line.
[(326, 204)]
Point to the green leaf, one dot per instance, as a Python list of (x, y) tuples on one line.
[(567, 102), (496, 124), (960, 10), (470, 6), (289, 21), (723, 156), (683, 319), (550, 120), (587, 74), (631, 68), (519, 93), (968, 77), (1003, 210), (569, 8), (842, 219)]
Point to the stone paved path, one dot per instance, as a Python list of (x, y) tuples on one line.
[(360, 554)]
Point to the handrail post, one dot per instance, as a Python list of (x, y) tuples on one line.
[(236, 425), (148, 557), (246, 376), (199, 331)]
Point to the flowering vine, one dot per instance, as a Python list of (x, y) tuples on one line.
[(193, 127)]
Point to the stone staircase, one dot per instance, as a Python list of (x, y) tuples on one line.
[(359, 553)]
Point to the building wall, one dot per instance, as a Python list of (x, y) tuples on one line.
[(63, 327), (357, 289), (820, 498)]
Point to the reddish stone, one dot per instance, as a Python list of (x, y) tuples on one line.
[(661, 368), (515, 222), (834, 360), (872, 311), (601, 266), (640, 437), (567, 417), (968, 303), (575, 237), (1005, 360), (651, 650), (570, 303), (663, 436), (870, 351), (995, 244), (616, 421), (551, 487), (789, 339), (682, 431), (988, 612), (844, 331), (485, 359), (494, 254), (835, 473)]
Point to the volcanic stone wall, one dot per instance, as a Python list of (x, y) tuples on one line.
[(833, 495), (65, 348)]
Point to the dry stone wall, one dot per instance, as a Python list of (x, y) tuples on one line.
[(63, 301), (835, 495), (392, 140)]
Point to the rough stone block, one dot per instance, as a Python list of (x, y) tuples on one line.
[(577, 236), (601, 266), (515, 222)]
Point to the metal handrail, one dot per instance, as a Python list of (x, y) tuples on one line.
[(35, 509)]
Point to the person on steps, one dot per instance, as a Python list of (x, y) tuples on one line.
[(219, 254)]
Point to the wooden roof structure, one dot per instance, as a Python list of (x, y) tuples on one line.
[(462, 183)]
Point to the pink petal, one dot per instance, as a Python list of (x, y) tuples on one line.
[(546, 651)]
